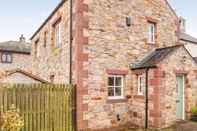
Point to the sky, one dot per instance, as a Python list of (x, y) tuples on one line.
[(25, 16)]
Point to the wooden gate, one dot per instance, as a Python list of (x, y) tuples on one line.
[(42, 107)]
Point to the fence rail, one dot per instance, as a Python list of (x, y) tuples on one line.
[(42, 107)]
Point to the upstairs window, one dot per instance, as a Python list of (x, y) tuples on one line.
[(45, 39), (6, 58), (57, 33), (115, 86), (36, 51), (151, 32), (141, 85)]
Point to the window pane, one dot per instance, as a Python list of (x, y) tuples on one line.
[(118, 81), (111, 81), (110, 91), (118, 91), (58, 35), (4, 57), (141, 84), (151, 32), (9, 58)]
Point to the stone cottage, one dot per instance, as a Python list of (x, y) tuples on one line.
[(126, 60), (15, 55)]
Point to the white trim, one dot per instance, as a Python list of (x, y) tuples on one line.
[(151, 32), (121, 86), (183, 97), (139, 84)]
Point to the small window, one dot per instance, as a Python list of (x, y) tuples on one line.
[(151, 32), (128, 21), (6, 58), (45, 39), (57, 31), (36, 51), (141, 85), (115, 86)]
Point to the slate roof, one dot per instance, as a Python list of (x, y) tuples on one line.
[(187, 37), (16, 46), (195, 58), (154, 57)]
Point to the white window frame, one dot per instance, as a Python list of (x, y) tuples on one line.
[(122, 87), (151, 32), (6, 57), (58, 41), (141, 85)]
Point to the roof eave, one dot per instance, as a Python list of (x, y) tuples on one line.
[(13, 51), (140, 68), (188, 41)]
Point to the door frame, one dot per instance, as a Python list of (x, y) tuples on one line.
[(183, 76)]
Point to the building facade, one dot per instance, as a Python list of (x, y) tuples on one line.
[(121, 55), (15, 55)]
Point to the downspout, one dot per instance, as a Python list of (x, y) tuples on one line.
[(74, 104), (146, 100), (71, 42)]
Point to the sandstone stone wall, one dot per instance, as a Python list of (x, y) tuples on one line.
[(113, 45), (103, 42), (171, 67), (51, 60)]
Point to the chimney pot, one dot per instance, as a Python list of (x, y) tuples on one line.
[(22, 38), (182, 24)]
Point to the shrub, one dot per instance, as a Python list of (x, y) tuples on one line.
[(194, 110), (11, 120)]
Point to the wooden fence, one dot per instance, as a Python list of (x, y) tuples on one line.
[(42, 107)]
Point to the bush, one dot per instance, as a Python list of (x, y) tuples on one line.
[(11, 120), (194, 110)]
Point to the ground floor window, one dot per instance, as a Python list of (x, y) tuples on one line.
[(115, 86), (141, 84)]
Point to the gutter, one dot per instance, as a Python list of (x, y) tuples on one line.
[(74, 104)]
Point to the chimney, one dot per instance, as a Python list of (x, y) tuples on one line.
[(182, 22), (22, 38)]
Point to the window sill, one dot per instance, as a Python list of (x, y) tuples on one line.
[(139, 97), (116, 100), (150, 43)]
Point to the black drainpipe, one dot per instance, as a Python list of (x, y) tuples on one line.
[(71, 41), (74, 104), (146, 100)]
